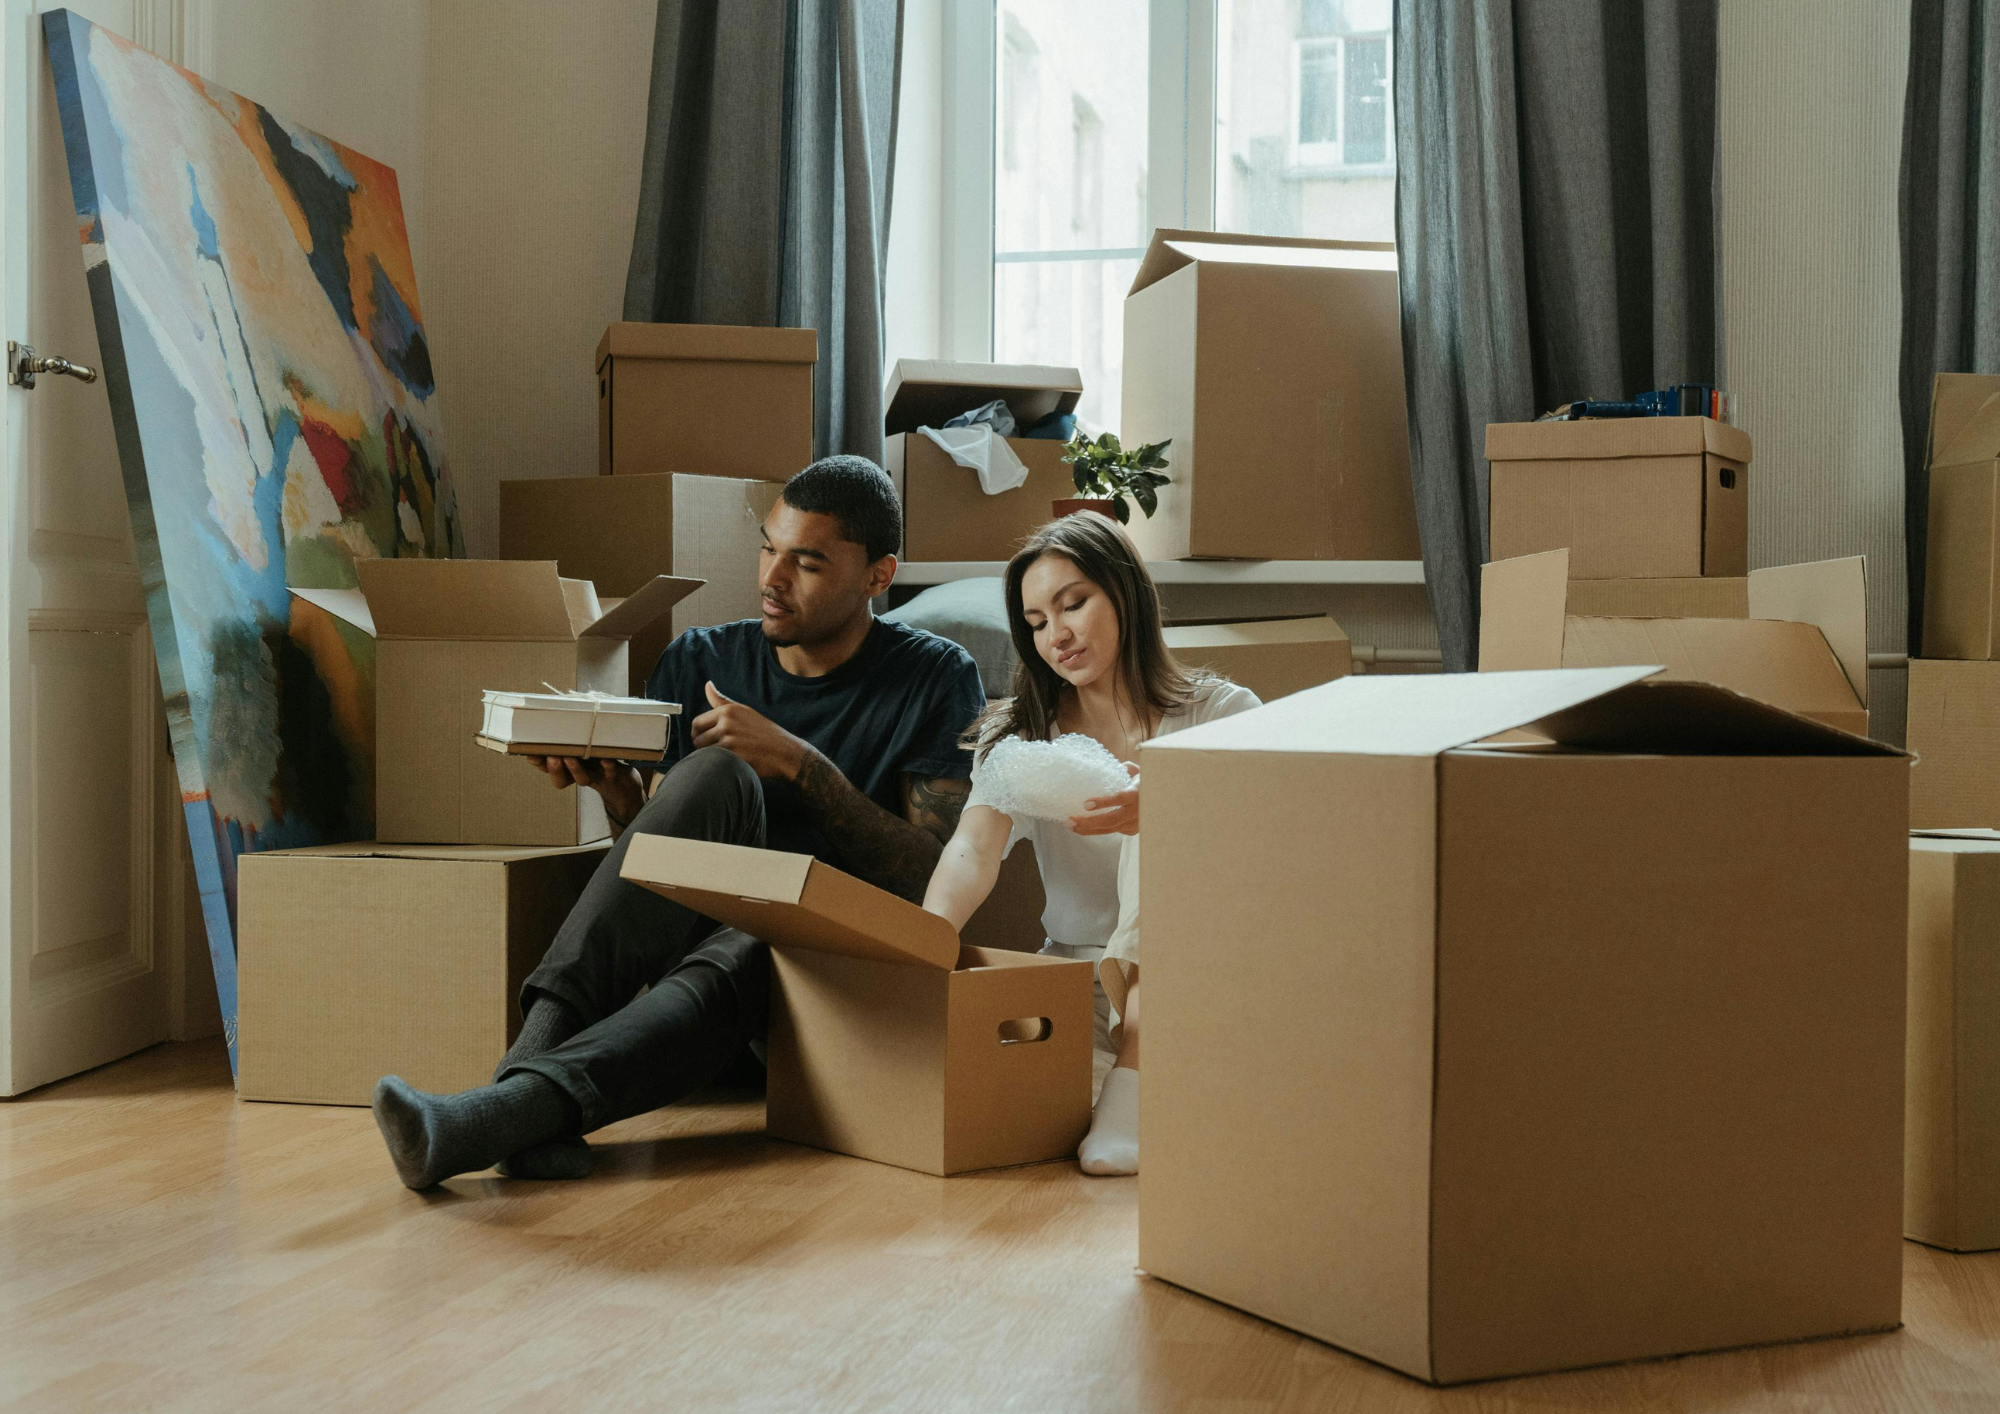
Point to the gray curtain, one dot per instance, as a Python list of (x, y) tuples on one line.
[(1950, 219), (764, 198), (1556, 233)]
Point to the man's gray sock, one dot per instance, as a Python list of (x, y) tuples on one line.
[(432, 1137), (549, 1022)]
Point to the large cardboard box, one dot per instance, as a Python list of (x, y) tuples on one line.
[(1551, 1056), (1804, 646), (890, 1039), (1962, 548), (357, 961), (1629, 498), (1701, 597), (1011, 918), (446, 631), (1272, 657), (1951, 1149), (1276, 367), (1954, 733), (946, 516), (705, 399)]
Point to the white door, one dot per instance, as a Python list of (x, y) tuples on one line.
[(87, 855)]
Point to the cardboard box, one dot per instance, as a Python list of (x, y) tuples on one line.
[(622, 531), (890, 1039), (1273, 658), (718, 537), (1276, 367), (705, 399), (358, 961), (447, 631), (1629, 498), (1703, 597), (1962, 548), (1954, 733), (946, 516), (1951, 1149), (1551, 1056), (1804, 646)]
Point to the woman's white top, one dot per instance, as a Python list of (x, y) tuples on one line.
[(1080, 872)]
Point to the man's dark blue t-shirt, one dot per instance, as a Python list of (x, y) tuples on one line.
[(897, 707)]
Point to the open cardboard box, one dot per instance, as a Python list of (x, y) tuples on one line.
[(1629, 497), (1275, 366), (1542, 1056), (1951, 1173), (446, 631), (946, 515), (890, 1039), (1804, 646), (705, 399), (623, 531), (1962, 548)]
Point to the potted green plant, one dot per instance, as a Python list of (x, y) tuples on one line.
[(1106, 473)]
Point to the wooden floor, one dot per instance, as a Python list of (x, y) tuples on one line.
[(164, 1247)]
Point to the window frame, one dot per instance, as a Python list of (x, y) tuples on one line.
[(1180, 154)]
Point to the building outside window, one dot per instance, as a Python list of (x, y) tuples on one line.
[(1107, 119)]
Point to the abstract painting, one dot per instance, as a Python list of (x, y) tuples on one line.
[(273, 401)]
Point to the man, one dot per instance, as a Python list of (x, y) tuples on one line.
[(821, 730)]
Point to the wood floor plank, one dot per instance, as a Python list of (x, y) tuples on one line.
[(163, 1246)]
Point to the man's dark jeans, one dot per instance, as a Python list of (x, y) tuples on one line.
[(711, 986)]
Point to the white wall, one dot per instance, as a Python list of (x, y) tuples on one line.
[(533, 134), (1812, 112)]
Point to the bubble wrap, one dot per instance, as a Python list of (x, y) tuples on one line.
[(1049, 780)]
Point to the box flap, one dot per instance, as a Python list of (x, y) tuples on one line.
[(580, 603), (1608, 438), (350, 606), (1316, 628), (791, 900), (1521, 607), (1965, 419), (652, 601), (1785, 664), (1401, 715), (1831, 594), (925, 393), (513, 601), (1695, 719), (717, 343), (1172, 250)]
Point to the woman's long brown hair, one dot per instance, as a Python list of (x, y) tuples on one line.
[(1149, 672)]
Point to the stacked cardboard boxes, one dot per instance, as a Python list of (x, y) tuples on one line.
[(405, 955), (1955, 685)]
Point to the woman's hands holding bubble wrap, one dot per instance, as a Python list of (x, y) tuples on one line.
[(1114, 814)]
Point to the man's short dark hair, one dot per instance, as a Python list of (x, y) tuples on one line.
[(856, 493)]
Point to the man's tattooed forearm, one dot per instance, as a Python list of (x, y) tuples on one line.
[(883, 849)]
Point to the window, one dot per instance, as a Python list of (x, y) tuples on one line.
[(1075, 130), (1317, 156)]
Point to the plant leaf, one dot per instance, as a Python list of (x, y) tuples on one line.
[(1081, 476), (1148, 498), (1123, 511)]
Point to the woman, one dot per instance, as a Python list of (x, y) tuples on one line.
[(1085, 618)]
